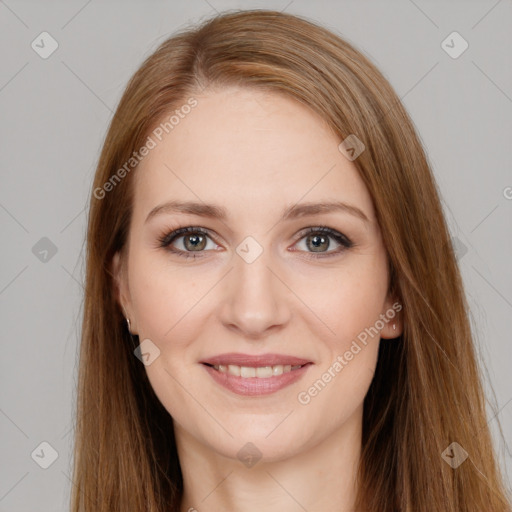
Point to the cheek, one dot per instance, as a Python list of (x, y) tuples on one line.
[(163, 297), (346, 300), (353, 303)]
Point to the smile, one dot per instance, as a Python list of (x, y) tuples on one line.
[(261, 372), (255, 381)]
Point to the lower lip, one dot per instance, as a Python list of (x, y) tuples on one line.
[(254, 386)]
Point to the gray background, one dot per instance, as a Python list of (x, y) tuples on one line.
[(54, 115)]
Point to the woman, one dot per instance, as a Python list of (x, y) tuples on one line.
[(274, 317)]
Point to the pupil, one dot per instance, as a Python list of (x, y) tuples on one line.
[(194, 241), (318, 240)]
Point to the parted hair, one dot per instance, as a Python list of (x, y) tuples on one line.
[(427, 391)]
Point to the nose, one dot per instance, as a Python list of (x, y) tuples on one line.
[(255, 298)]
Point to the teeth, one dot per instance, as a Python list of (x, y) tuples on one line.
[(233, 370), (245, 371), (261, 372)]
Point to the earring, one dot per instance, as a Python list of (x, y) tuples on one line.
[(133, 338)]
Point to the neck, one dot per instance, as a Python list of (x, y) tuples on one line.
[(321, 478)]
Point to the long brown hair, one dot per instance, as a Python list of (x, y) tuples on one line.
[(427, 391)]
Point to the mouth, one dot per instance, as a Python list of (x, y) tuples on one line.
[(259, 372), (255, 375)]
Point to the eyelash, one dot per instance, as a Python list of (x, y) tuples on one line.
[(167, 238)]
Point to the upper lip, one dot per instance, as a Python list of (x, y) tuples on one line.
[(255, 361)]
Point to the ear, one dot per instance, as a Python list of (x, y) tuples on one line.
[(392, 317), (122, 291)]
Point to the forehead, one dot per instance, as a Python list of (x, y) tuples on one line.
[(249, 150)]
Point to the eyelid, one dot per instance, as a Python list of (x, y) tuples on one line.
[(344, 242), (326, 230), (169, 236)]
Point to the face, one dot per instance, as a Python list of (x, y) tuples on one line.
[(262, 324)]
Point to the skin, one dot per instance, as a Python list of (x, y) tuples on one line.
[(256, 153)]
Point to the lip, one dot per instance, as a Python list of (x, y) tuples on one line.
[(254, 361), (255, 386)]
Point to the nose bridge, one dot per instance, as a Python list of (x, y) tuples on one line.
[(254, 277), (255, 300)]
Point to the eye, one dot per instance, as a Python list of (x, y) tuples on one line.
[(194, 240), (318, 238)]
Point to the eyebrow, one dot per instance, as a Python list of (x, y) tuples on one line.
[(291, 212)]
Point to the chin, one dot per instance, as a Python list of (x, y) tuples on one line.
[(268, 444)]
